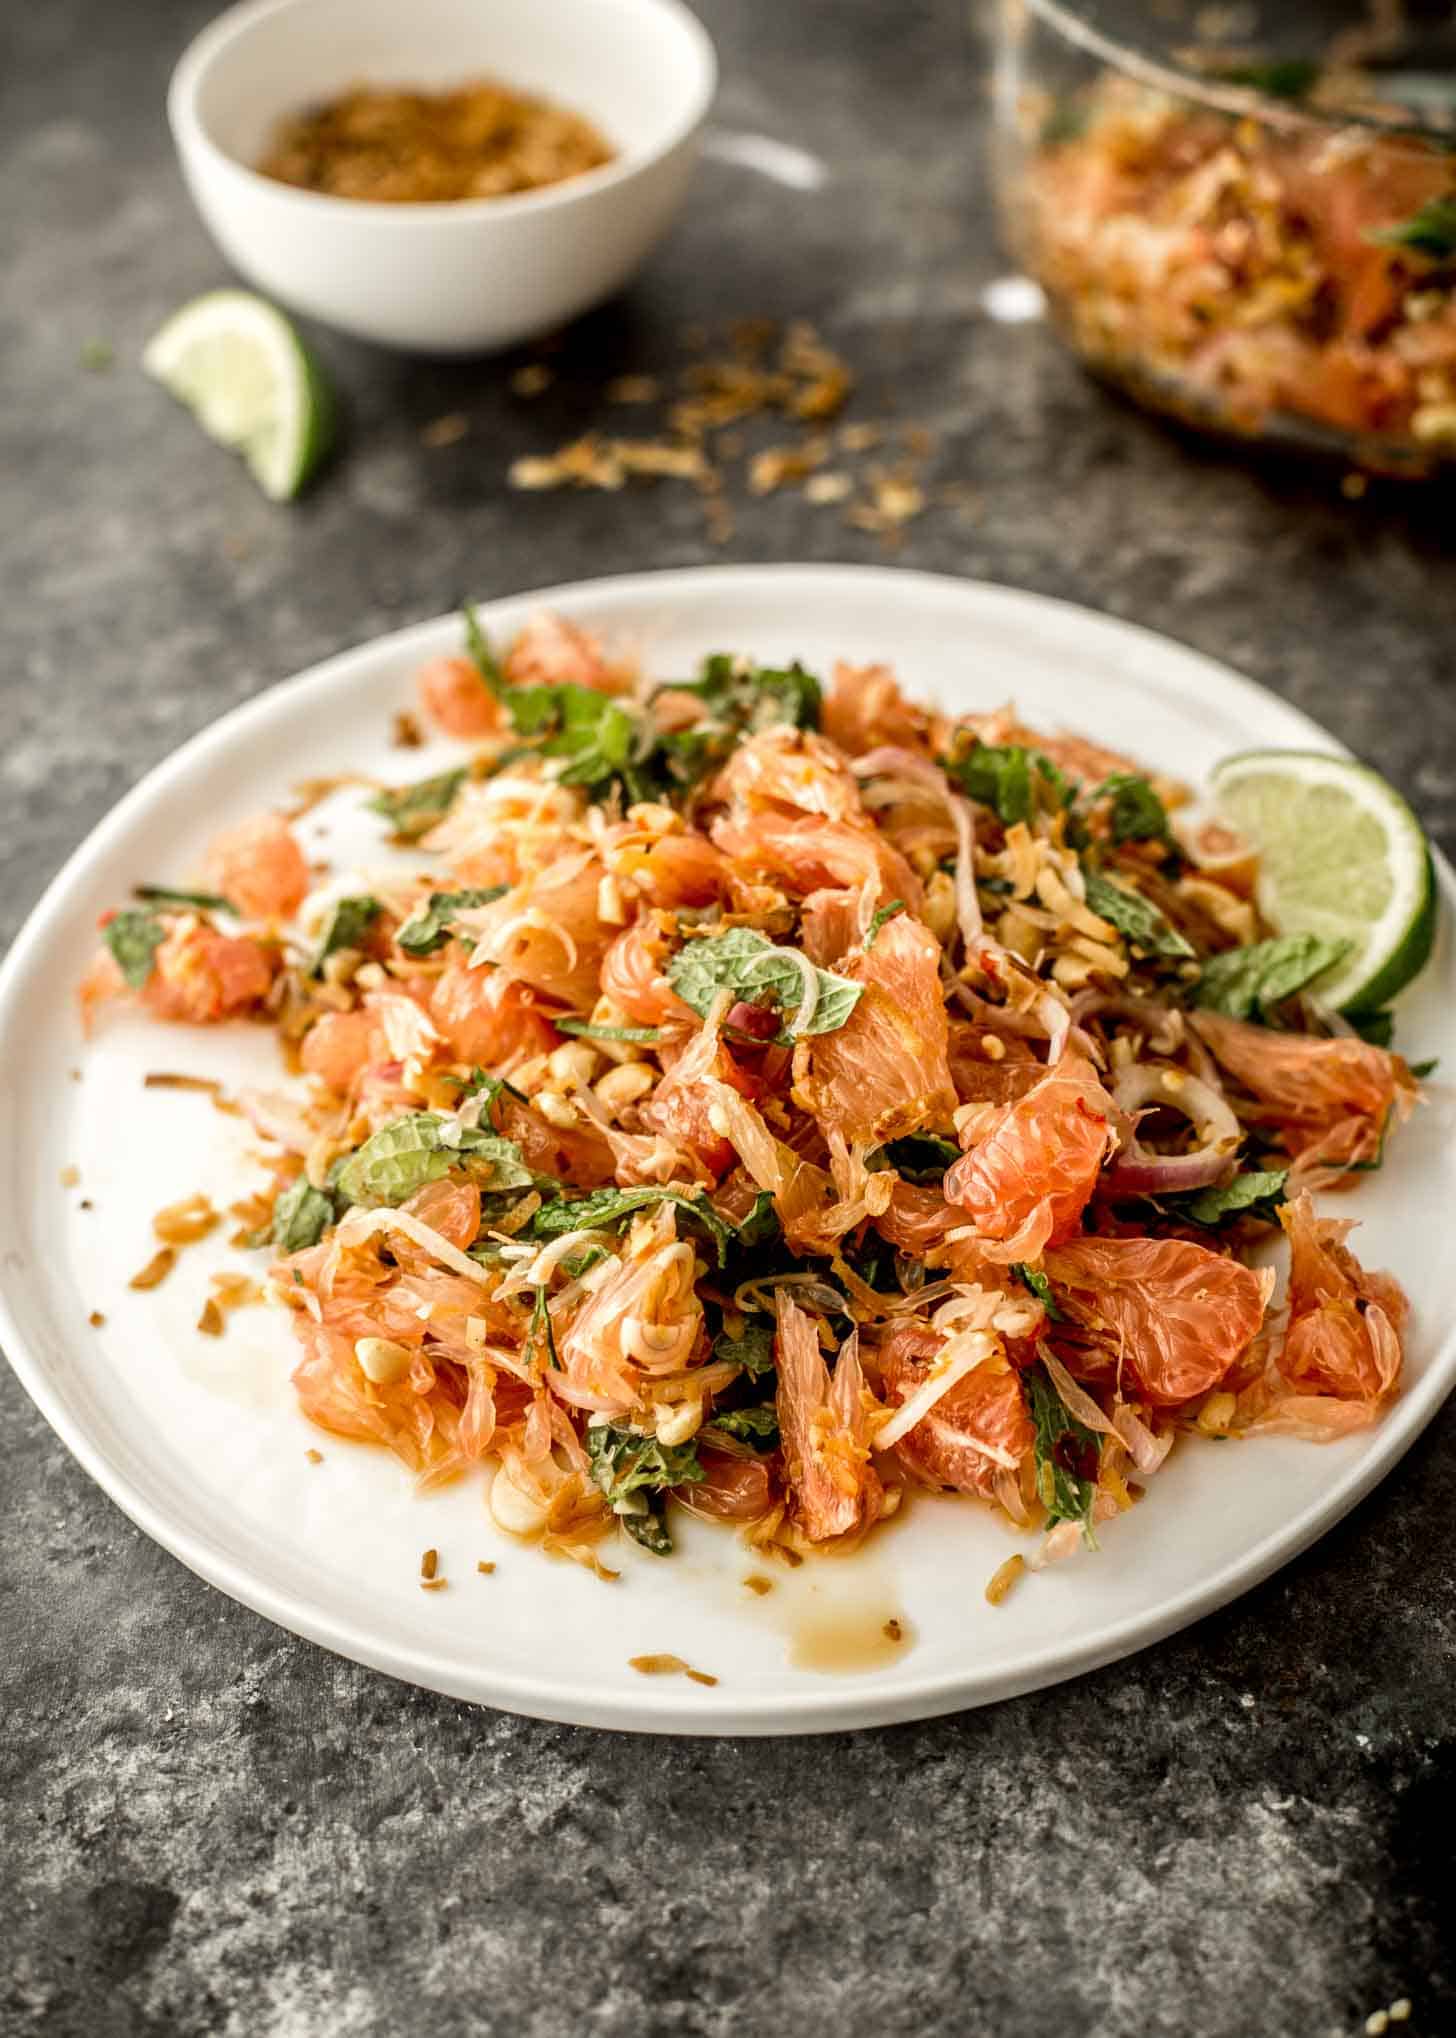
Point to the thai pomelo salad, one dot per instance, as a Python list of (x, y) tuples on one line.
[(769, 1097)]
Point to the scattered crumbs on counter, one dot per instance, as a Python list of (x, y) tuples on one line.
[(446, 431), (96, 356), (531, 380)]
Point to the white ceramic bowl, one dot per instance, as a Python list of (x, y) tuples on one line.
[(453, 278)]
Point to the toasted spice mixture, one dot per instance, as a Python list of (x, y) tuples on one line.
[(164, 1079), (481, 140), (668, 1666), (156, 1269), (1002, 1580), (893, 1631), (185, 1222)]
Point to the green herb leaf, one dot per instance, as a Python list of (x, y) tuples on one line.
[(165, 895), (1063, 1449), (753, 1349), (1421, 1069), (649, 1528), (754, 697), (347, 926), (403, 1156), (1036, 1281), (1136, 917), (608, 1209), (761, 1226), (413, 810), (1431, 231), (1376, 1029), (482, 657), (744, 961), (1003, 777), (301, 1216), (757, 1425), (584, 1029), (1135, 812), (429, 926), (1254, 1193), (919, 1157), (634, 1472), (1247, 982), (885, 913), (1283, 78), (595, 734), (134, 938)]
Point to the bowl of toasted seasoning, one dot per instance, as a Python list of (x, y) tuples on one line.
[(449, 177)]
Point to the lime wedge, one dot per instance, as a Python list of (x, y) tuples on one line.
[(1340, 855), (250, 382)]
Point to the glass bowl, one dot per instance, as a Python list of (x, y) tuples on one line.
[(1245, 215)]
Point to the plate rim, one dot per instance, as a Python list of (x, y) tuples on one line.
[(545, 1696)]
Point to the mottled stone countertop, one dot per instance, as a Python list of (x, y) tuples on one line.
[(211, 1827)]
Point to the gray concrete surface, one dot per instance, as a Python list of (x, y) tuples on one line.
[(209, 1827)]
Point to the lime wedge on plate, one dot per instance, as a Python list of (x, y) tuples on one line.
[(250, 382), (1340, 855)]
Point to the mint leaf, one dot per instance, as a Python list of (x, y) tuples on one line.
[(413, 810), (1376, 1029), (134, 938), (481, 656), (753, 1349), (347, 926), (1033, 1279), (757, 1425), (595, 734), (1135, 917), (608, 1209), (919, 1157), (1254, 1193), (635, 1472), (1003, 777), (1431, 231), (1135, 811), (301, 1216), (165, 895), (1244, 983), (1065, 1449), (744, 961), (403, 1156), (429, 926)]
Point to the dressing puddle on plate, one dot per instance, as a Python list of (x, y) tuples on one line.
[(841, 1617)]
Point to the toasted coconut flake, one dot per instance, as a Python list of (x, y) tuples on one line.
[(1004, 1578), (186, 1222)]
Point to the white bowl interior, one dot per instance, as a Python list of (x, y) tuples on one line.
[(640, 69)]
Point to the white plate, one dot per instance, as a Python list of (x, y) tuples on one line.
[(199, 1442)]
